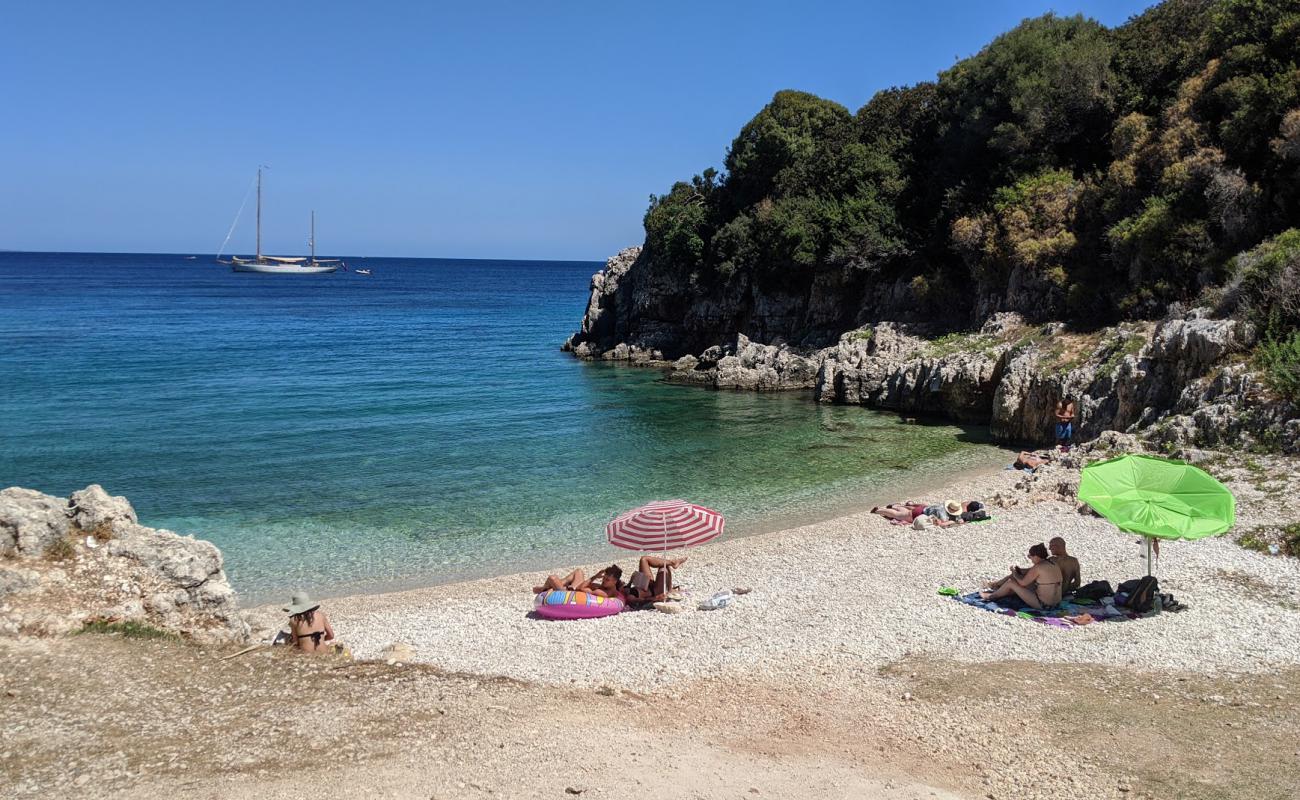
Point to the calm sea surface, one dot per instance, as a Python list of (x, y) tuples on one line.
[(342, 432)]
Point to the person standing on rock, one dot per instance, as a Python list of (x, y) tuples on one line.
[(1064, 422)]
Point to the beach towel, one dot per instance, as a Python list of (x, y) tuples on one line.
[(1057, 616)]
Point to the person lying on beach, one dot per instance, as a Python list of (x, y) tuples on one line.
[(1030, 461), (604, 583), (941, 515), (652, 581), (608, 582), (1038, 587), (1071, 573), (309, 627), (900, 512)]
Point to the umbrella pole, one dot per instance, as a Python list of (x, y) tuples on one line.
[(1147, 539)]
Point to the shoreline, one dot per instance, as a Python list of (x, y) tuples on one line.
[(990, 459), (854, 594)]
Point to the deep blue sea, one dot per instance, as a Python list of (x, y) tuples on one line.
[(343, 433)]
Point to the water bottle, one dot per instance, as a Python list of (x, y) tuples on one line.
[(1157, 605)]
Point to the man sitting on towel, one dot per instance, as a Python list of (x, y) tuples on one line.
[(1068, 564)]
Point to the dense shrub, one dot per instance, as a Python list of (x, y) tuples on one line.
[(1123, 167), (1265, 285), (1279, 360)]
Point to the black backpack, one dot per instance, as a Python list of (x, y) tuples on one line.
[(1143, 597), (1094, 591)]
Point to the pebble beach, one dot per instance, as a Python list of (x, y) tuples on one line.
[(851, 595)]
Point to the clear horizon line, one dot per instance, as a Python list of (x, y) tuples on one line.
[(214, 255)]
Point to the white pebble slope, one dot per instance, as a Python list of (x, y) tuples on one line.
[(850, 595)]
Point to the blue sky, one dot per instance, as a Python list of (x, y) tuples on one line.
[(483, 129)]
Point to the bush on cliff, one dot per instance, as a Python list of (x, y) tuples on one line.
[(1265, 284), (1099, 173), (1279, 360)]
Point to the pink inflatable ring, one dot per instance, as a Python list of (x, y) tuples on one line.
[(560, 604)]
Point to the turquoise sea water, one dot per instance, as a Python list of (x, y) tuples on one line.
[(342, 433)]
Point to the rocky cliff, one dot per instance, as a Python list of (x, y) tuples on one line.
[(1182, 380), (66, 562)]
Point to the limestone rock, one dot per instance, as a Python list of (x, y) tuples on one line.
[(744, 364), (93, 509), (142, 575), (30, 522), (185, 561), (1175, 379)]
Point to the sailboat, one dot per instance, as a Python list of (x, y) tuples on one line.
[(280, 265)]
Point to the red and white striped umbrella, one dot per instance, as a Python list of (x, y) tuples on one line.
[(664, 525)]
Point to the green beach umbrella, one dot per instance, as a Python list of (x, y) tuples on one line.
[(1158, 498)]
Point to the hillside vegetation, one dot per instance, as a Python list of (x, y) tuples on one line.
[(1067, 171)]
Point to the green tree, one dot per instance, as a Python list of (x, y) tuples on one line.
[(1040, 96)]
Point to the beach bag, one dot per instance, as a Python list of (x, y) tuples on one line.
[(922, 523), (1143, 597), (1094, 591), (979, 515)]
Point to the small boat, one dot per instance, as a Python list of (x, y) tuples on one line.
[(190, 258), (279, 265), (362, 271)]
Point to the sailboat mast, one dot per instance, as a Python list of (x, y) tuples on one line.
[(259, 213), (313, 235)]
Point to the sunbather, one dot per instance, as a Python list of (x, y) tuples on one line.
[(309, 627), (942, 515), (1030, 461), (1068, 564), (577, 581), (1038, 587), (900, 512), (652, 581)]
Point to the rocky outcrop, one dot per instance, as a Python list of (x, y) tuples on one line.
[(641, 311), (86, 559), (743, 364), (1175, 379), (887, 367), (1183, 380)]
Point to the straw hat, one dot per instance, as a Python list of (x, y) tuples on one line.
[(301, 604), (952, 507)]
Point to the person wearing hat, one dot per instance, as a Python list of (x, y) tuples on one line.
[(309, 627), (947, 514)]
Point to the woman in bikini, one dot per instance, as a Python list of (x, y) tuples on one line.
[(309, 627), (1039, 586), (652, 581), (900, 512), (603, 582)]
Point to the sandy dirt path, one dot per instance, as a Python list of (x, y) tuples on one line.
[(101, 716)]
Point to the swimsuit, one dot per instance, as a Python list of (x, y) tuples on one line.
[(314, 636)]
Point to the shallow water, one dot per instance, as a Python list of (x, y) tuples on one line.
[(341, 433)]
